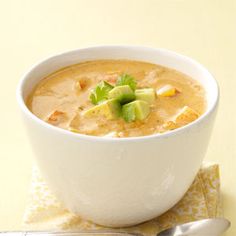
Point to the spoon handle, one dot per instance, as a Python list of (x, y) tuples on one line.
[(73, 233)]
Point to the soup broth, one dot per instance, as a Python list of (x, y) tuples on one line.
[(63, 99)]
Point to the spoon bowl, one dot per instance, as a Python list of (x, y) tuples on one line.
[(206, 227)]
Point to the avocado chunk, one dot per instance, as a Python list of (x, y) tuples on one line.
[(122, 93), (136, 110), (111, 109), (146, 94)]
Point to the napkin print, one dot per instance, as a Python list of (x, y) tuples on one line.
[(202, 200)]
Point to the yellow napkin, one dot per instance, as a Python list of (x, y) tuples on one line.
[(45, 212)]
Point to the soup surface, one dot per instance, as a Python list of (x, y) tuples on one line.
[(63, 99)]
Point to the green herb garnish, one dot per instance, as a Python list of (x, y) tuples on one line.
[(122, 100), (100, 92), (126, 79)]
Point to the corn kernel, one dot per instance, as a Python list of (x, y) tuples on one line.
[(166, 91)]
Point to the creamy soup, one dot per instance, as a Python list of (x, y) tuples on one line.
[(134, 98)]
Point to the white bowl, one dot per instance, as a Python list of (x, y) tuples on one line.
[(119, 181)]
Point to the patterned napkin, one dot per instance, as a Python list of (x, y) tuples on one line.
[(45, 212)]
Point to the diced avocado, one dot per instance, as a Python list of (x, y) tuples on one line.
[(128, 112), (136, 110), (146, 94), (122, 93), (111, 109), (142, 109)]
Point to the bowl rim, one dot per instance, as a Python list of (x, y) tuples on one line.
[(25, 109)]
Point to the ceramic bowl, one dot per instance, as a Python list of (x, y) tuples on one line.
[(119, 181)]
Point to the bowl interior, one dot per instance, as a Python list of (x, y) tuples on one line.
[(157, 56)]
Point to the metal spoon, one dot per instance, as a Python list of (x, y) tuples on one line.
[(206, 227)]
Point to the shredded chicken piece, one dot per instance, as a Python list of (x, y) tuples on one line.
[(74, 123), (82, 83), (184, 117), (170, 125), (111, 78), (85, 126), (78, 86), (150, 78), (56, 117)]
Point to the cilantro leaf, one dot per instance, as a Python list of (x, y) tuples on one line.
[(126, 79), (100, 92)]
